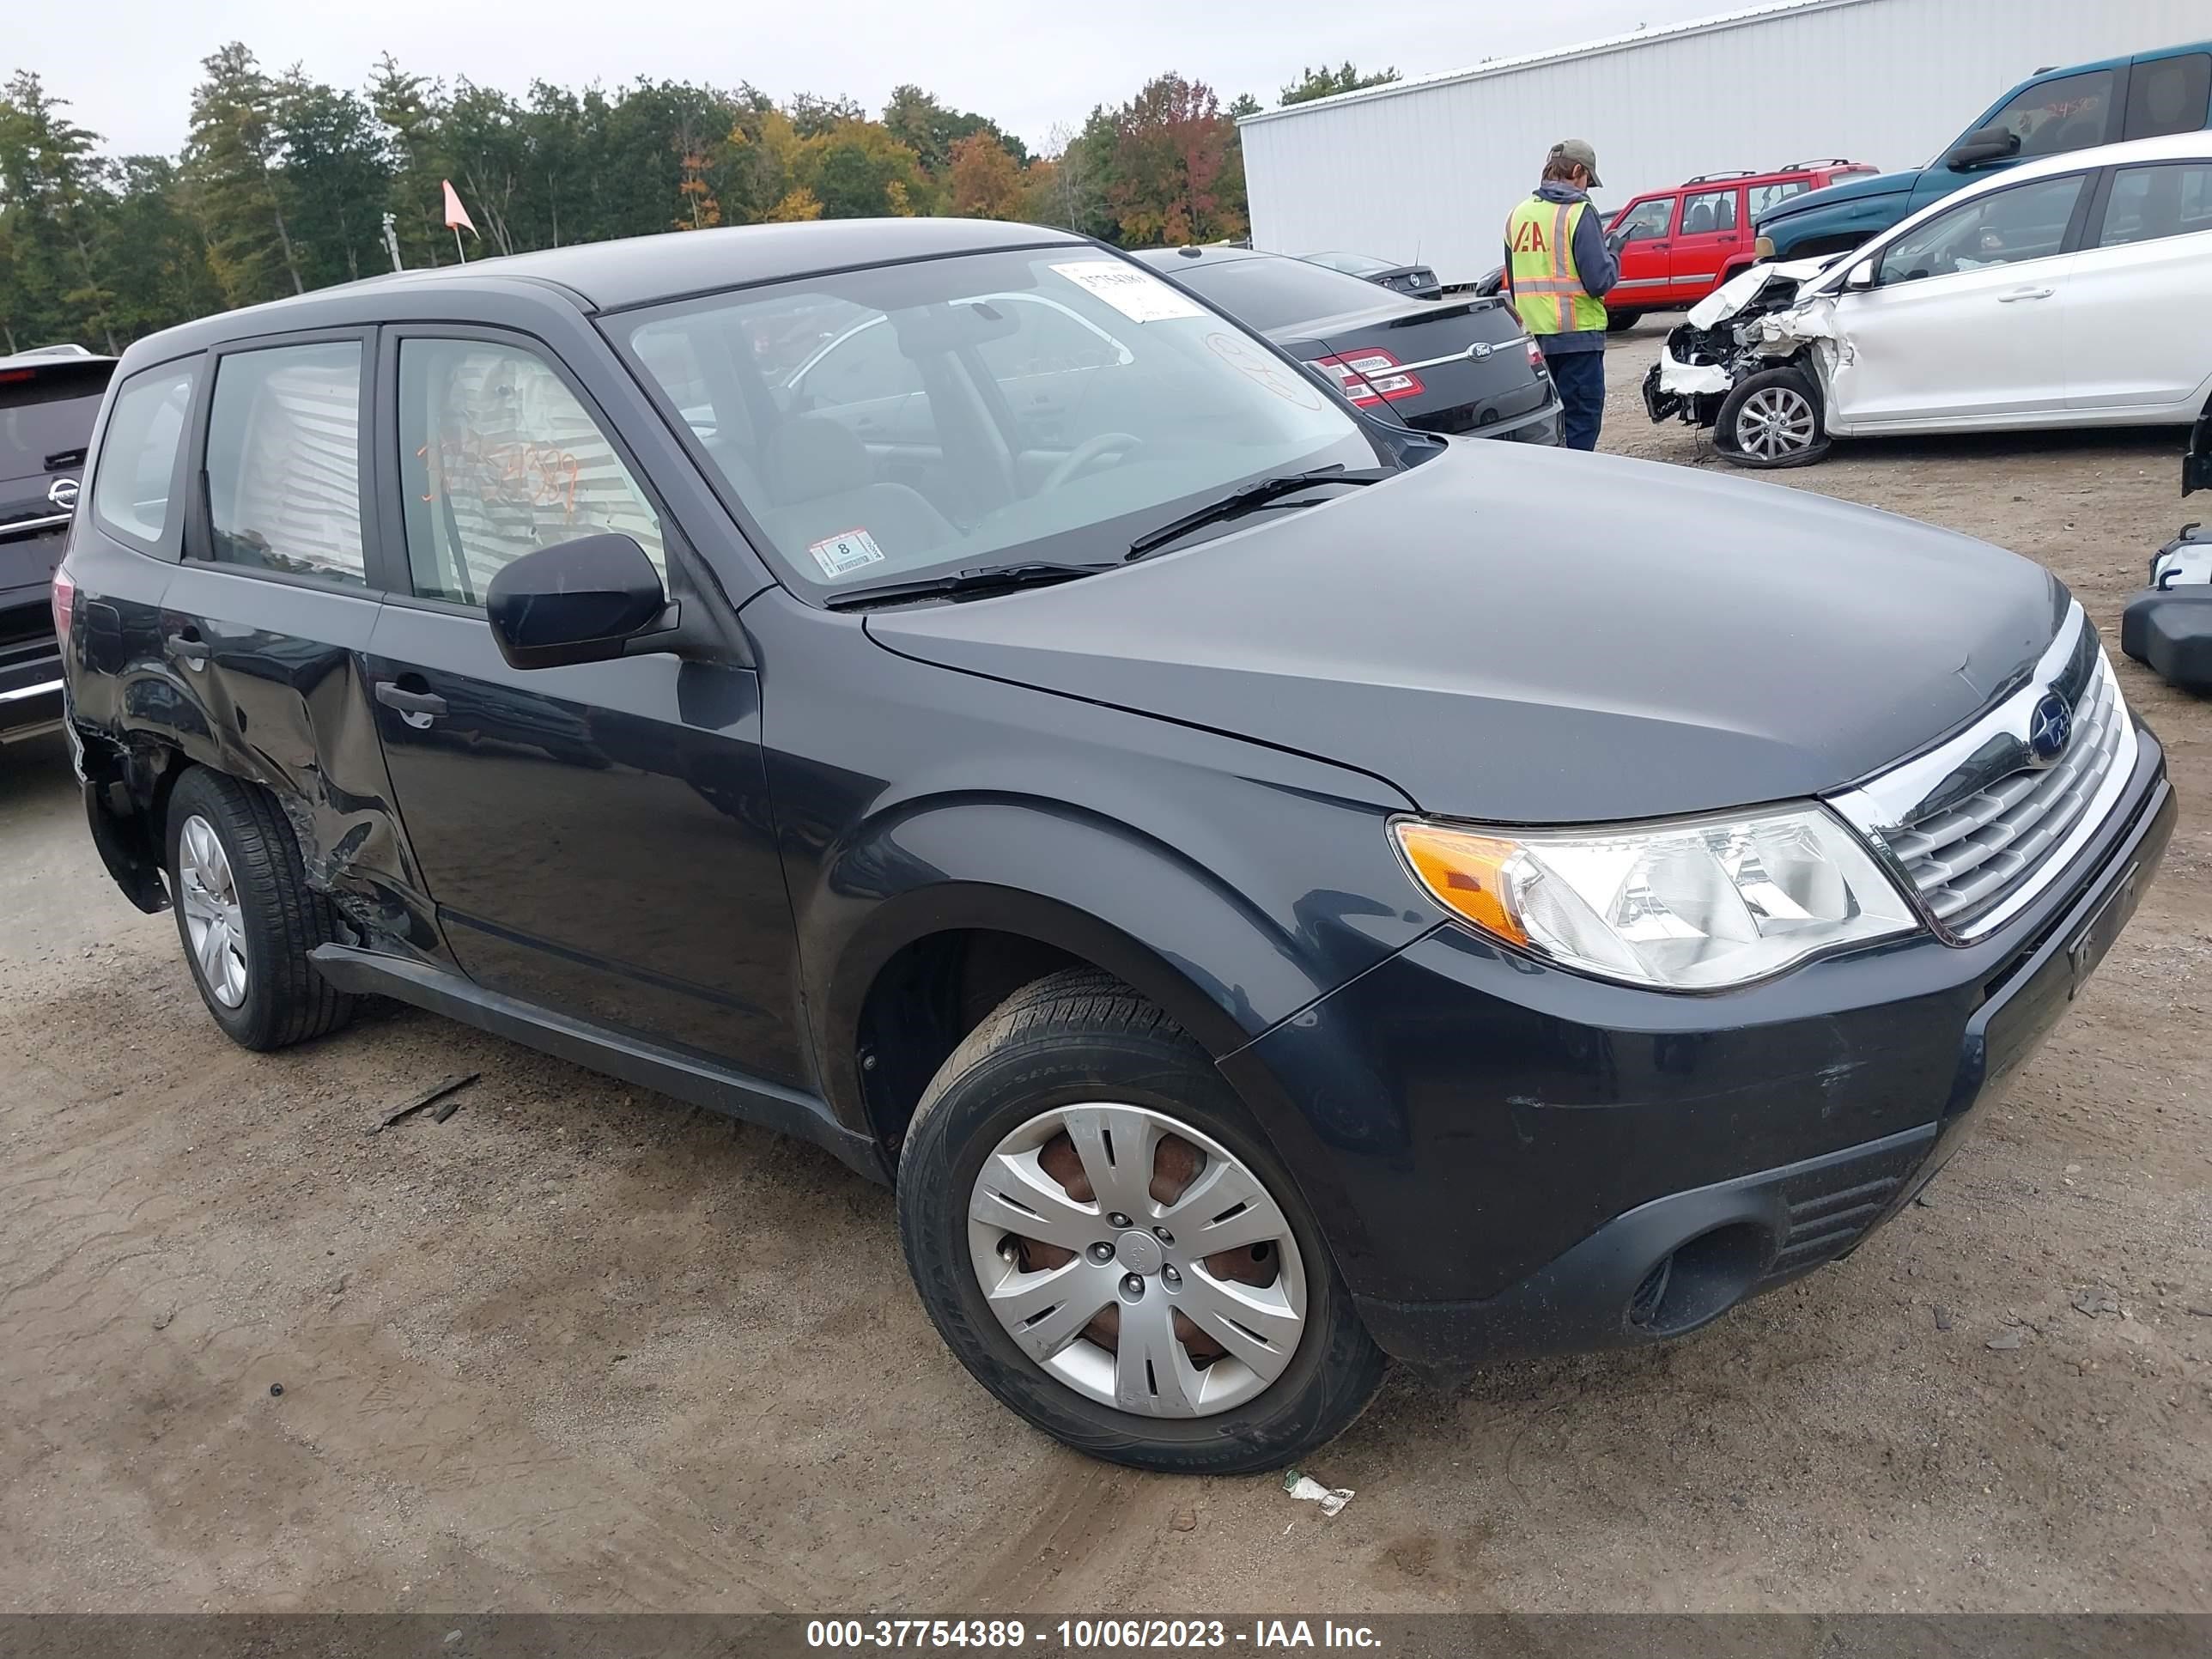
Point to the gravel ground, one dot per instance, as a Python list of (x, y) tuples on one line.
[(579, 1348)]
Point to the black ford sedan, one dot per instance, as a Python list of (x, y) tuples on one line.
[(1463, 367), (1270, 887)]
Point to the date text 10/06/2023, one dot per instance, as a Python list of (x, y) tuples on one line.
[(1257, 1634)]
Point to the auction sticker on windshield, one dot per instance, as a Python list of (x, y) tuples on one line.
[(845, 552), (1137, 295)]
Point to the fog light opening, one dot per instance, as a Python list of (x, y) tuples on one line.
[(1698, 1281)]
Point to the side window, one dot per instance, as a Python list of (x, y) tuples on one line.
[(2003, 229), (496, 460), (283, 460), (2056, 116), (1646, 219), (1709, 210), (1046, 340), (2146, 204), (2168, 94), (137, 457), (864, 366), (1764, 196)]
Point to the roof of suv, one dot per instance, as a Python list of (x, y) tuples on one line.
[(641, 269)]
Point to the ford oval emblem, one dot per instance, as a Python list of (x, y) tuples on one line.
[(2048, 729)]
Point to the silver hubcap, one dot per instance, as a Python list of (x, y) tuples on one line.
[(1138, 1260), (212, 917), (1774, 422)]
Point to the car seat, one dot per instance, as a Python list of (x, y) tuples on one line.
[(822, 484)]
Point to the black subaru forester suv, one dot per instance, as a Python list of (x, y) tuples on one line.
[(1273, 890)]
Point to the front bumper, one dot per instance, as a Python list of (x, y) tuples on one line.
[(1508, 1158)]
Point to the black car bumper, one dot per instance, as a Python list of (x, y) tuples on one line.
[(1511, 1159), (30, 672)]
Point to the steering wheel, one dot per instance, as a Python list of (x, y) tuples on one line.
[(1106, 443)]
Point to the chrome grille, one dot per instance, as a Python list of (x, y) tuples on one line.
[(1966, 857), (1979, 825)]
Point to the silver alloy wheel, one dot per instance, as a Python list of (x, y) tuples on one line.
[(1775, 421), (212, 916), (1145, 1258)]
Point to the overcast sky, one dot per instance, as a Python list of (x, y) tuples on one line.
[(128, 66)]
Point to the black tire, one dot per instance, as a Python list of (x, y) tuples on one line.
[(1619, 322), (1079, 1035), (1792, 387), (281, 918)]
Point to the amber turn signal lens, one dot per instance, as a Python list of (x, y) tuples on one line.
[(1466, 874)]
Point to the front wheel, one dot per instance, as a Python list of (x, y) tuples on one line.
[(1771, 419), (1619, 322), (1106, 1243)]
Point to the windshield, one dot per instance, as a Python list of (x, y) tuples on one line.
[(1049, 403), (47, 417)]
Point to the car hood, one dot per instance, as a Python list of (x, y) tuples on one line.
[(1853, 189), (1534, 636)]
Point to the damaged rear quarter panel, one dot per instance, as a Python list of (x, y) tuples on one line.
[(281, 700)]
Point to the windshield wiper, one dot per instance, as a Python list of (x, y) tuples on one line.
[(982, 579), (1248, 498)]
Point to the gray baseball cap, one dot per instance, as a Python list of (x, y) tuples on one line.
[(1578, 151)]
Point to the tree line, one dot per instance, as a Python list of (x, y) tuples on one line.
[(284, 183)]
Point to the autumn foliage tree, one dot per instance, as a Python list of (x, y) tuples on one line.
[(1173, 175), (284, 182), (985, 182)]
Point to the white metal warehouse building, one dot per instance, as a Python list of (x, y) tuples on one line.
[(1427, 169)]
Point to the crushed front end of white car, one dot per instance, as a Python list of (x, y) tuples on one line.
[(1752, 322)]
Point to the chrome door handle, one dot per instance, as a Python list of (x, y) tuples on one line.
[(189, 649), (2024, 293)]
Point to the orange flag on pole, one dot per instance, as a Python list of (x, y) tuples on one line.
[(457, 216)]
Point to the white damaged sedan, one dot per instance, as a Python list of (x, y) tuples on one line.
[(2063, 292)]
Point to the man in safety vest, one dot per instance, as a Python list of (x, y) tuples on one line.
[(1558, 269)]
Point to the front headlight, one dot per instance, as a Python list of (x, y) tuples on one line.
[(1694, 904)]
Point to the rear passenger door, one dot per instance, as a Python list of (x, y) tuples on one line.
[(596, 838), (263, 625), (2137, 318)]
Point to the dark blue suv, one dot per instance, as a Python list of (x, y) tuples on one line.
[(2053, 112), (1271, 888)]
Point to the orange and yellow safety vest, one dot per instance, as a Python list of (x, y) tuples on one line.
[(1548, 291)]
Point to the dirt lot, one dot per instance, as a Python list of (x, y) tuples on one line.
[(579, 1349)]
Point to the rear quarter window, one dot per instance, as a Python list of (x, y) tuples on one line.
[(134, 477)]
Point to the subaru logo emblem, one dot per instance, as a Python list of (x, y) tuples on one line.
[(2048, 729), (62, 492)]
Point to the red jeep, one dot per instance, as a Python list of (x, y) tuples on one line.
[(1677, 246)]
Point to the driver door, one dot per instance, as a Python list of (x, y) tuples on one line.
[(1640, 234), (1962, 327)]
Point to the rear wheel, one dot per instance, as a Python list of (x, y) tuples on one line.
[(1105, 1242), (245, 915), (1771, 419)]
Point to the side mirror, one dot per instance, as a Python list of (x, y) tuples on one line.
[(1979, 149), (586, 600), (1861, 276)]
